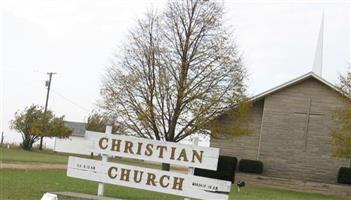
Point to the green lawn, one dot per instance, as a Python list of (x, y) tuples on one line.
[(28, 184), (15, 155)]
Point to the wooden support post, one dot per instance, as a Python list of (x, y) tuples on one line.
[(191, 170), (2, 138), (104, 158)]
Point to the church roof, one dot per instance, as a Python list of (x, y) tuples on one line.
[(295, 81), (78, 128)]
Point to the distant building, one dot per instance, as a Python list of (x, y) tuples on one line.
[(77, 143)]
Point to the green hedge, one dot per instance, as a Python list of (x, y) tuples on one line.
[(251, 166), (225, 169), (344, 175)]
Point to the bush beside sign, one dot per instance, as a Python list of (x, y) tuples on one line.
[(344, 175), (251, 166), (225, 170)]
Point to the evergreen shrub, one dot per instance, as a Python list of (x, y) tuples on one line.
[(225, 169), (251, 166), (344, 175)]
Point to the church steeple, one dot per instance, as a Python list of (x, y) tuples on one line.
[(318, 57)]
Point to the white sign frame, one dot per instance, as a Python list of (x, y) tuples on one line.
[(173, 153)]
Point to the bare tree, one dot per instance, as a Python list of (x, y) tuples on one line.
[(177, 71)]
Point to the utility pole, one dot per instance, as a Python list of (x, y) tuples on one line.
[(2, 138), (48, 85)]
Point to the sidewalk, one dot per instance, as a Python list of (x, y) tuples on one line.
[(32, 166)]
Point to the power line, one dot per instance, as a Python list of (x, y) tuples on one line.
[(29, 84), (72, 102), (19, 69)]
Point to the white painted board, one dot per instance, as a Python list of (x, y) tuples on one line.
[(162, 151), (142, 178), (73, 145)]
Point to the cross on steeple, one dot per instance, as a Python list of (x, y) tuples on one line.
[(308, 114)]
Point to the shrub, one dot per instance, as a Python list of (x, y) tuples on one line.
[(251, 166), (225, 169), (344, 175)]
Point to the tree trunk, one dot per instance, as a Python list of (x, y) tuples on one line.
[(27, 144), (41, 143), (166, 167)]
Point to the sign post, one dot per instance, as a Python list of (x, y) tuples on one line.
[(104, 159), (191, 170)]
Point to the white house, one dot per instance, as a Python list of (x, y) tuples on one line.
[(77, 143)]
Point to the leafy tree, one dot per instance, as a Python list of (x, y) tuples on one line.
[(97, 122), (33, 123), (175, 73), (233, 121), (341, 135), (345, 83)]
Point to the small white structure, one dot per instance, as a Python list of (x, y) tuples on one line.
[(77, 143), (49, 196)]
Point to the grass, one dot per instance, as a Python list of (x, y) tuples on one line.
[(15, 155), (28, 184)]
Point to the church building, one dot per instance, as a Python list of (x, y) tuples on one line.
[(291, 126)]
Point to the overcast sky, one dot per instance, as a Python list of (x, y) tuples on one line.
[(76, 40)]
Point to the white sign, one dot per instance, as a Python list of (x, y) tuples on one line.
[(148, 179), (153, 150)]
